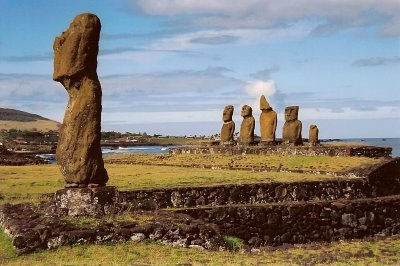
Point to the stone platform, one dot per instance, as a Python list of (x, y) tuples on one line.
[(343, 151), (88, 201), (39, 227), (259, 214), (275, 224)]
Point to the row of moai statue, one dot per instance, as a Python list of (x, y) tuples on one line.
[(291, 133)]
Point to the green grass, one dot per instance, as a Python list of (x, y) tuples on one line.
[(233, 243), (93, 222), (344, 143), (380, 252), (176, 141), (320, 163), (7, 251), (27, 183)]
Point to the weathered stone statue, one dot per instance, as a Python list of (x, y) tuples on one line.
[(75, 61), (268, 121), (313, 135), (292, 128), (228, 128), (247, 127)]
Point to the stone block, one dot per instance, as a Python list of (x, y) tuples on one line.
[(88, 201)]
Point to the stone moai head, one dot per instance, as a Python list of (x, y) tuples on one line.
[(291, 113), (246, 111), (76, 49), (313, 127), (228, 113), (264, 105)]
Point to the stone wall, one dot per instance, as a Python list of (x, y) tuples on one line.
[(95, 201), (274, 224), (366, 151), (32, 228), (245, 194)]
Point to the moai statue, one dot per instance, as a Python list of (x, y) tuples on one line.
[(247, 127), (268, 121), (228, 128), (313, 135), (292, 128), (75, 61)]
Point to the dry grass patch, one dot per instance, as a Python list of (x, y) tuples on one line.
[(273, 162), (376, 252), (27, 183)]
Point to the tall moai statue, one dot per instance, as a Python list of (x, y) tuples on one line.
[(313, 135), (75, 62), (268, 121), (291, 132), (228, 128), (247, 127)]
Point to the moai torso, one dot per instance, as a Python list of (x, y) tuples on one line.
[(313, 135), (248, 125), (75, 61), (291, 132), (228, 128), (268, 121)]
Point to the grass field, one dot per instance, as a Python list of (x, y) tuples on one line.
[(176, 141), (21, 183), (27, 183), (374, 252), (320, 163), (41, 125)]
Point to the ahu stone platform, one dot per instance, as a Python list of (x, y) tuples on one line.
[(342, 151), (260, 214)]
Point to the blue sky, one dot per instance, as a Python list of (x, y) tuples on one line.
[(171, 66)]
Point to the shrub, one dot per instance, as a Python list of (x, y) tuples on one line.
[(233, 243)]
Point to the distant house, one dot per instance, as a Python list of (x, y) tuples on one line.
[(126, 139), (20, 140)]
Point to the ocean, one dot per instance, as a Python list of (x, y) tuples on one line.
[(107, 151)]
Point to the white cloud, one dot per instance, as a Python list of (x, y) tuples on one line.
[(160, 117), (268, 13), (181, 81), (28, 85), (260, 87), (349, 113), (242, 36)]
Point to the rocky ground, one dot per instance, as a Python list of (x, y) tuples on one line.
[(11, 158), (35, 227)]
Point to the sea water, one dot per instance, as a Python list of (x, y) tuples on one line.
[(107, 151)]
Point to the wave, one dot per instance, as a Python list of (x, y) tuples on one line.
[(132, 148)]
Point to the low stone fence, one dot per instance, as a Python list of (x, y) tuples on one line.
[(274, 224), (32, 228), (365, 151), (245, 194)]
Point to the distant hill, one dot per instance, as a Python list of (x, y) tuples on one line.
[(11, 118)]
